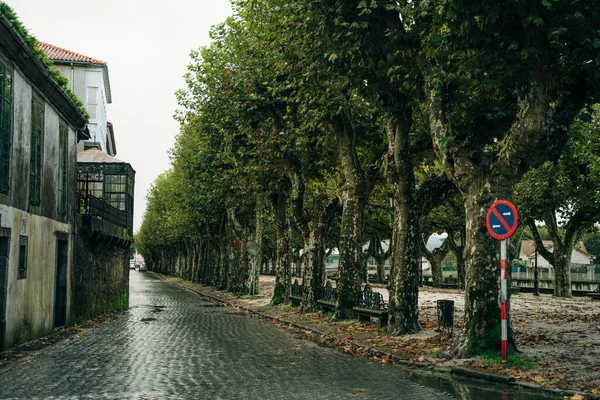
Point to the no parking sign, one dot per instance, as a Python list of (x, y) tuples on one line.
[(501, 221)]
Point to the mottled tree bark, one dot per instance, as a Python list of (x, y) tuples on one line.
[(435, 259), (404, 284), (482, 308), (562, 248), (317, 226), (259, 227), (283, 262), (224, 247), (380, 257), (312, 268), (459, 252), (353, 200), (240, 276)]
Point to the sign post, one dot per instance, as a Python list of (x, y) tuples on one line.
[(502, 220)]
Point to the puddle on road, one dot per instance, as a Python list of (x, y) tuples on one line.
[(209, 305), (471, 389)]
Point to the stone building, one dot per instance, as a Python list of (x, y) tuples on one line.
[(105, 191), (39, 128)]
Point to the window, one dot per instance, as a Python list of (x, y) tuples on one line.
[(91, 187), (22, 257), (63, 153), (92, 102), (37, 138), (5, 126), (114, 191)]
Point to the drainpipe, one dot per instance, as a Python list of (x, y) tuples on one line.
[(72, 78)]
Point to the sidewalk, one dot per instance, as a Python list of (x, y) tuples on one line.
[(559, 339)]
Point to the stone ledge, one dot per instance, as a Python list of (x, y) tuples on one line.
[(98, 229)]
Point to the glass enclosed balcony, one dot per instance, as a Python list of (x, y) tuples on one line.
[(105, 187)]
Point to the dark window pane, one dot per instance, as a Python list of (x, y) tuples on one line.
[(37, 132), (62, 168), (22, 272), (5, 127)]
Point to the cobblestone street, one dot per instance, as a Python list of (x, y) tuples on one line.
[(174, 344)]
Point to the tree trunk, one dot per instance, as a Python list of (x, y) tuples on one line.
[(353, 199), (283, 262), (224, 247), (436, 258), (560, 257), (404, 282), (380, 269), (254, 284), (562, 275), (459, 252), (482, 308), (314, 261), (241, 275), (311, 282)]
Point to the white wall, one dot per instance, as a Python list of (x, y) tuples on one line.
[(576, 258), (30, 301), (97, 126)]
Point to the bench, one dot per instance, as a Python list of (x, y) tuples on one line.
[(327, 298), (595, 295), (296, 293), (371, 305), (450, 282)]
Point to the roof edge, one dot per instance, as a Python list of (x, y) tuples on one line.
[(31, 66)]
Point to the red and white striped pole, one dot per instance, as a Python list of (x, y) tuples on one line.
[(501, 222), (503, 295)]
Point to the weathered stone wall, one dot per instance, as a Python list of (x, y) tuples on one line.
[(101, 273), (30, 301)]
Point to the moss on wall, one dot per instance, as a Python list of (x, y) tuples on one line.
[(100, 276)]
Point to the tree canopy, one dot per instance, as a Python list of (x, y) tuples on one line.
[(302, 119)]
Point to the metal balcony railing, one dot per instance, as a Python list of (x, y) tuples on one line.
[(93, 206)]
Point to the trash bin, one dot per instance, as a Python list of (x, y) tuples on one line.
[(445, 314)]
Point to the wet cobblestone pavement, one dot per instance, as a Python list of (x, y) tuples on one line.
[(174, 344)]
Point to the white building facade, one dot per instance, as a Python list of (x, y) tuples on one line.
[(89, 80)]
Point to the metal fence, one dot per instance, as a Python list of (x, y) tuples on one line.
[(92, 205), (544, 274)]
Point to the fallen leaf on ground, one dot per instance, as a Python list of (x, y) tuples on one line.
[(538, 379), (360, 395)]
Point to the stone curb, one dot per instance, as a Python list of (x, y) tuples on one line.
[(460, 371), (473, 373)]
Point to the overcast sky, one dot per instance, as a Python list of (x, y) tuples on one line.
[(146, 45)]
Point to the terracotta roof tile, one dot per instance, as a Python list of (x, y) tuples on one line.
[(528, 247), (56, 53)]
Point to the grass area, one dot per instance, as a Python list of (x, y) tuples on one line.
[(491, 358)]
